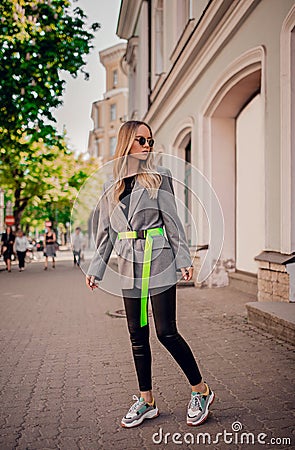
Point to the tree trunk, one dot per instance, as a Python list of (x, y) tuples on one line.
[(19, 206), (17, 218)]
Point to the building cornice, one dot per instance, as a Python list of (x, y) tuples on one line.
[(128, 16), (114, 92), (209, 36), (112, 53)]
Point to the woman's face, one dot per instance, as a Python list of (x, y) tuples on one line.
[(140, 150)]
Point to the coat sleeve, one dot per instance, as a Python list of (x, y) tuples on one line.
[(104, 241), (173, 226)]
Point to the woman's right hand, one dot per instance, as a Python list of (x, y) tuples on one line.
[(90, 282)]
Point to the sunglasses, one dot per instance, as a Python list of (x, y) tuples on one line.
[(142, 140)]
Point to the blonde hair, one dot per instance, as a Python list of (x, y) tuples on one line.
[(147, 175)]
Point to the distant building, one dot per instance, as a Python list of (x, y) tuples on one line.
[(216, 82), (109, 113)]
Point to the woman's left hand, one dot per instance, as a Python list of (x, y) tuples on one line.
[(90, 282), (187, 273)]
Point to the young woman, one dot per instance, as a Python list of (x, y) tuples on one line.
[(7, 241), (138, 218), (49, 247)]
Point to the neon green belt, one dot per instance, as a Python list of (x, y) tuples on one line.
[(146, 269)]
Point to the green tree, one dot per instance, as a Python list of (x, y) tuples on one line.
[(57, 205), (37, 41), (46, 180)]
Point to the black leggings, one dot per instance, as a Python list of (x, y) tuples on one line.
[(164, 312), (21, 259)]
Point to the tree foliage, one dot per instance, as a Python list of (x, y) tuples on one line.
[(53, 186), (45, 179), (38, 40)]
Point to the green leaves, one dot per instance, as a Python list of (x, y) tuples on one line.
[(38, 40), (40, 175)]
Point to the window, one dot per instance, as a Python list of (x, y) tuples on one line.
[(113, 142), (183, 12), (159, 37), (115, 78), (187, 191), (113, 111)]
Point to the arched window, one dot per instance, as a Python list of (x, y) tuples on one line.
[(187, 189), (226, 161)]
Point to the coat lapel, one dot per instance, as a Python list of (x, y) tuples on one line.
[(118, 219)]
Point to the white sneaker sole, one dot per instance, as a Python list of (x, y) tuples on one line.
[(149, 415), (202, 419)]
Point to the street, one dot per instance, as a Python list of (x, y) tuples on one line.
[(67, 374)]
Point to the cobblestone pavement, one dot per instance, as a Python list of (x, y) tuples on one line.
[(67, 375)]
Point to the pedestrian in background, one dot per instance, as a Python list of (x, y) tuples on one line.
[(7, 242), (49, 246), (139, 219), (77, 245), (21, 246)]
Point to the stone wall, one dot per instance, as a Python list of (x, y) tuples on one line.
[(273, 282)]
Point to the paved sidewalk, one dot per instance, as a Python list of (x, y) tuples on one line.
[(67, 375)]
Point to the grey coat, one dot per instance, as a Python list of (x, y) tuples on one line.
[(170, 252)]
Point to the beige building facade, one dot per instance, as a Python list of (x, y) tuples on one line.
[(216, 82), (109, 113)]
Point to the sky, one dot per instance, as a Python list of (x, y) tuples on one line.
[(79, 94)]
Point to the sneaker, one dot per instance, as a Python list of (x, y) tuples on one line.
[(198, 407), (139, 411)]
